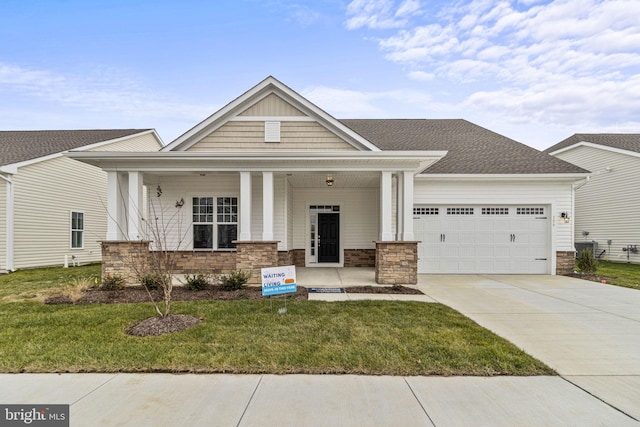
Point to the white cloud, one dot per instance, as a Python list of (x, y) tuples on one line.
[(380, 14), (562, 61)]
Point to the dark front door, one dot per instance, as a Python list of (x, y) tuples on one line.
[(328, 237)]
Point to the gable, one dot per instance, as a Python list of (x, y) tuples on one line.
[(270, 117)]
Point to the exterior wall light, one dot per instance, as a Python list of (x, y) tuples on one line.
[(329, 181), (565, 216)]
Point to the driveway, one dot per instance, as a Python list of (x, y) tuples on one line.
[(588, 332)]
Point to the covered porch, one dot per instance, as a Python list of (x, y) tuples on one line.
[(253, 210)]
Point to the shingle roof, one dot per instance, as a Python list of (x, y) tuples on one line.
[(472, 149), (19, 146), (623, 141)]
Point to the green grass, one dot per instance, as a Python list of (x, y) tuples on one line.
[(620, 274), (38, 283), (357, 337)]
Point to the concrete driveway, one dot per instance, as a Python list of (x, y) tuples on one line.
[(588, 332)]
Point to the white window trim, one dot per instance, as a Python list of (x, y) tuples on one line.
[(71, 230), (214, 224)]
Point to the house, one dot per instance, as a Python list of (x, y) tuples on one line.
[(54, 207), (272, 179), (607, 204)]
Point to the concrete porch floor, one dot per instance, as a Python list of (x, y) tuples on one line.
[(327, 277)]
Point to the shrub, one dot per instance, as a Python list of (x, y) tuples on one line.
[(197, 282), (586, 262), (112, 282), (151, 281), (234, 280)]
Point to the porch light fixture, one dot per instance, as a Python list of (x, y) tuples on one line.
[(565, 216), (329, 181)]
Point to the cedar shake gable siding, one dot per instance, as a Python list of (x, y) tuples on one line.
[(472, 149), (20, 146), (628, 142)]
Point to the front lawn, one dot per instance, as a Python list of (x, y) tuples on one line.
[(363, 337), (620, 274)]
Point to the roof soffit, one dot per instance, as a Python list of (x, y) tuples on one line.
[(253, 96)]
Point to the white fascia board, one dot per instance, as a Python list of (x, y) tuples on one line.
[(10, 169), (598, 146), (159, 162), (504, 177), (258, 92)]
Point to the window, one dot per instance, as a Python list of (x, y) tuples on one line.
[(426, 211), (77, 230), (227, 222), (203, 222), (495, 211), (530, 211), (459, 211), (221, 227)]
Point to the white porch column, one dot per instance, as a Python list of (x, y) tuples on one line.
[(134, 206), (267, 206), (407, 206), (113, 206), (399, 205), (386, 231), (245, 206)]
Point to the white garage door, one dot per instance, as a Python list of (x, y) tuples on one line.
[(482, 239)]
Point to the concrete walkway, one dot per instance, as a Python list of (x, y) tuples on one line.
[(311, 400), (588, 332)]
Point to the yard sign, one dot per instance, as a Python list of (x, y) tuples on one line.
[(278, 280)]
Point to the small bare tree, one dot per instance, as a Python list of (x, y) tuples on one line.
[(166, 235)]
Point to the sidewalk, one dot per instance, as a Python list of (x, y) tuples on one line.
[(311, 400)]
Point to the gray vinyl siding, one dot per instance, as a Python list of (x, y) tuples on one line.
[(142, 142), (272, 105), (45, 195), (295, 136), (608, 206)]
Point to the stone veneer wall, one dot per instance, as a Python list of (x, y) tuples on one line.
[(359, 257), (253, 256), (565, 262), (216, 262), (125, 258), (397, 263)]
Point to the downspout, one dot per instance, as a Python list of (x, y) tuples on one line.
[(9, 199), (573, 206)]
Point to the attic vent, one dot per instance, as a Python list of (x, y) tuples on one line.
[(271, 131)]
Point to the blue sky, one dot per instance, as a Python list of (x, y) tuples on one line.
[(535, 71)]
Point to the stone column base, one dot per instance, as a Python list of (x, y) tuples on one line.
[(397, 263), (125, 258), (254, 255), (565, 262)]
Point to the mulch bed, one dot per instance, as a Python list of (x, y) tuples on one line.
[(591, 277), (137, 294), (155, 326)]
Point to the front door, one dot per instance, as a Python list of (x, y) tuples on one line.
[(328, 237)]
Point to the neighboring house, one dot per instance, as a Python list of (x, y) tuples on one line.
[(273, 179), (607, 205), (52, 206)]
